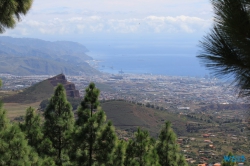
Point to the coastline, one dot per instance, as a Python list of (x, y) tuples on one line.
[(151, 64)]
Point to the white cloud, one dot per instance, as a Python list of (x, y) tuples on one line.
[(92, 24), (178, 24), (112, 16)]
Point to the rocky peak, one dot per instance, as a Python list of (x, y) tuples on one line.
[(69, 86)]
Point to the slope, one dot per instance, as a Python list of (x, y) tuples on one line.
[(24, 56), (38, 92), (129, 116)]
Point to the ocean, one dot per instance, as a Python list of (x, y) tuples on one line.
[(156, 64)]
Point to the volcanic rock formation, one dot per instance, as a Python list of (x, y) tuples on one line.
[(69, 86)]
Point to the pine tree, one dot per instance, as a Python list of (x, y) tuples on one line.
[(106, 143), (32, 128), (130, 153), (95, 139), (140, 150), (226, 49), (119, 154), (168, 149), (14, 149), (58, 125), (182, 161), (3, 120), (11, 11)]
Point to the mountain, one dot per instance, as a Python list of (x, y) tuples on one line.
[(43, 90), (40, 91), (25, 56)]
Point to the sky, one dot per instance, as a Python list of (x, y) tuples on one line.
[(136, 26)]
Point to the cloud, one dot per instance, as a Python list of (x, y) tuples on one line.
[(112, 16), (95, 23), (181, 23), (166, 7)]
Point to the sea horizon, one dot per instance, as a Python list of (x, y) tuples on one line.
[(155, 64)]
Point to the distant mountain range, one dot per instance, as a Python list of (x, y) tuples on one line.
[(26, 56)]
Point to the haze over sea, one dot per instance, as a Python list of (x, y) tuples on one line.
[(169, 55), (156, 64)]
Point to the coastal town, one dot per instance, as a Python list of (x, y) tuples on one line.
[(144, 88), (184, 96)]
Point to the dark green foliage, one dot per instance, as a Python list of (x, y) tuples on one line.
[(119, 153), (14, 149), (168, 149), (91, 97), (130, 153), (32, 128), (58, 125), (226, 49), (140, 151), (11, 11), (182, 161), (3, 120), (96, 140), (73, 101), (106, 143), (91, 141), (46, 148)]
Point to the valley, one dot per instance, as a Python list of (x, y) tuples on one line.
[(208, 122)]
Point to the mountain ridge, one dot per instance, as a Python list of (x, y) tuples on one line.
[(27, 56)]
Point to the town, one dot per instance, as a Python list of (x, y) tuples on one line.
[(144, 88), (212, 131)]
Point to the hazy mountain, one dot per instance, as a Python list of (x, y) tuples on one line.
[(25, 56)]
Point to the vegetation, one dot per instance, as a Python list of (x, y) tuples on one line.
[(40, 91), (11, 11), (167, 148), (90, 140), (226, 48), (58, 125), (14, 149), (128, 116)]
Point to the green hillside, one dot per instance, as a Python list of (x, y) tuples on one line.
[(38, 92), (24, 56), (18, 65), (129, 116)]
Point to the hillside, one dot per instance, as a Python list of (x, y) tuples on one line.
[(24, 56), (129, 116), (40, 91)]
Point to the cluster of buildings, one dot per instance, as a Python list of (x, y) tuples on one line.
[(183, 93), (160, 90)]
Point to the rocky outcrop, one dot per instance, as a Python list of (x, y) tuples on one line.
[(69, 86)]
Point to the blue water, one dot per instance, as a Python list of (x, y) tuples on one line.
[(156, 64)]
